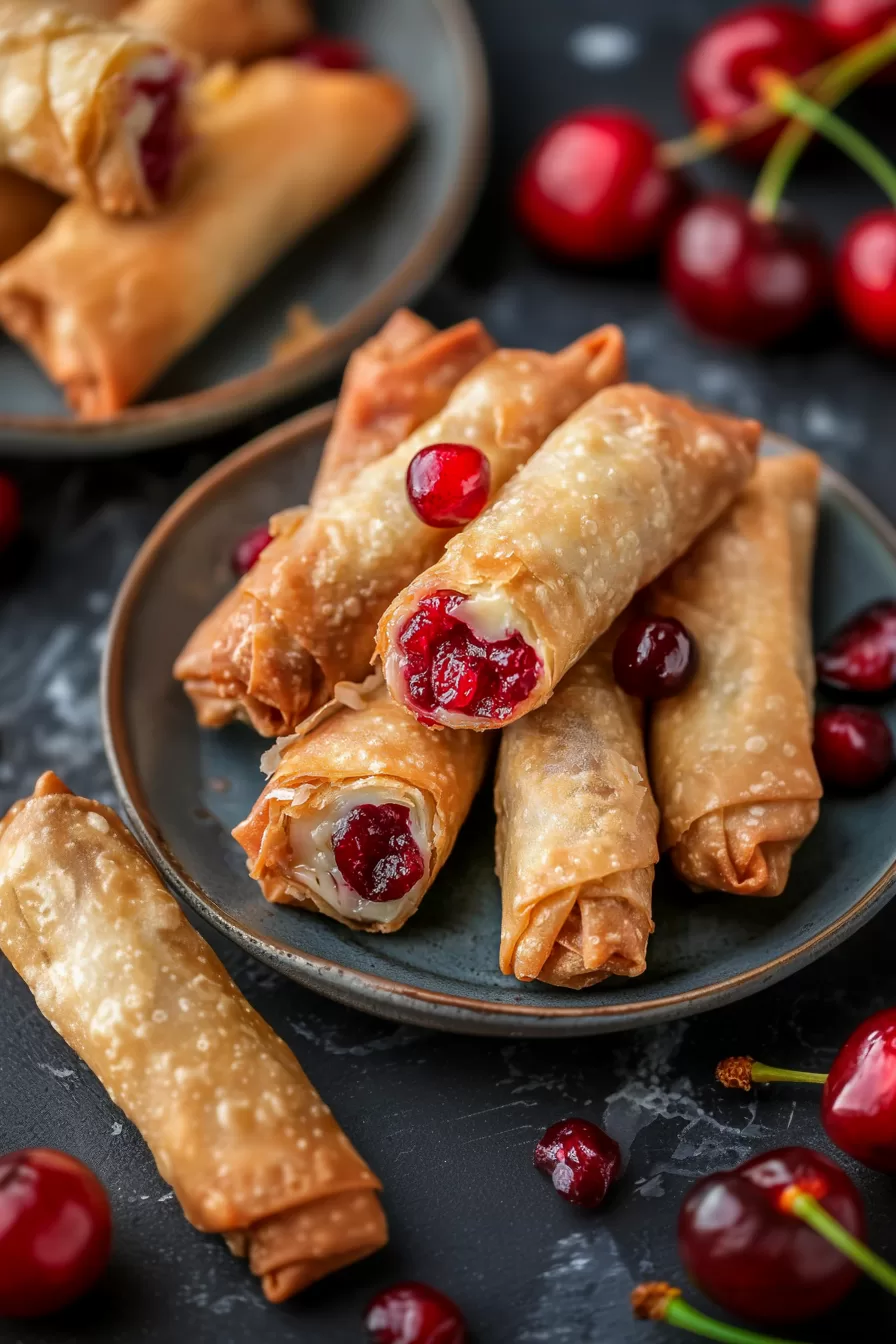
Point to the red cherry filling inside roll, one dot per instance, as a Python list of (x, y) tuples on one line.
[(449, 666), (155, 94), (376, 853)]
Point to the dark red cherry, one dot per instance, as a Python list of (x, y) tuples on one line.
[(754, 1259), (865, 278), (55, 1231), (747, 280), (591, 188), (721, 64), (655, 656), (846, 22), (413, 1313), (376, 852), (861, 656), (163, 141), (249, 548), (853, 747), (581, 1160), (858, 1105), (330, 53), (10, 511), (448, 484)]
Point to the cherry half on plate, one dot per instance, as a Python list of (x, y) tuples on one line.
[(55, 1231), (853, 748), (414, 1313), (860, 658)]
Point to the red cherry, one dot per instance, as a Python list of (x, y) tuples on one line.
[(858, 1105), (846, 22), (10, 511), (448, 484), (591, 188), (163, 141), (753, 1258), (720, 66), (654, 657), (865, 278), (861, 656), (55, 1231), (746, 280), (853, 747), (249, 548), (412, 1313), (330, 53), (376, 852), (581, 1160)]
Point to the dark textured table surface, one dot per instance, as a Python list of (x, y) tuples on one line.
[(447, 1122)]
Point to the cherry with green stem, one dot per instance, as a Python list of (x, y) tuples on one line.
[(663, 1302)]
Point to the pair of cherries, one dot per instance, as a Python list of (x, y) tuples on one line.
[(853, 744)]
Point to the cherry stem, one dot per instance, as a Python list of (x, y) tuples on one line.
[(662, 1302), (741, 1071), (806, 1207), (781, 92), (858, 65)]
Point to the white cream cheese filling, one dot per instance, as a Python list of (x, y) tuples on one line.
[(311, 845)]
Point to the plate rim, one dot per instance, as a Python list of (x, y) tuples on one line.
[(194, 414), (375, 993)]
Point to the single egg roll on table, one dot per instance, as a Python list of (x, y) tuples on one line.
[(392, 383), (576, 841), (361, 813), (26, 207), (317, 600), (234, 1125), (617, 493), (221, 30), (731, 756), (106, 304), (89, 107)]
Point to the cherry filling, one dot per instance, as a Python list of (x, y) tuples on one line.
[(447, 666), (162, 143), (376, 853)]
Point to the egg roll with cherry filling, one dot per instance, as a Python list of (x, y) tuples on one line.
[(90, 108), (234, 1125), (361, 813), (396, 380), (316, 600), (731, 756), (576, 842), (617, 493), (105, 304), (26, 207), (222, 30)]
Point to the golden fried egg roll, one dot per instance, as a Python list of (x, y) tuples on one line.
[(224, 30), (26, 207)]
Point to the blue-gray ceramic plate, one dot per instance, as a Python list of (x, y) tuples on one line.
[(380, 251), (185, 789)]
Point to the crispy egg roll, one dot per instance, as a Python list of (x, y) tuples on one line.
[(576, 842), (105, 305), (731, 756), (615, 495), (26, 207), (89, 107), (361, 813), (307, 615), (234, 1125), (222, 30), (392, 383)]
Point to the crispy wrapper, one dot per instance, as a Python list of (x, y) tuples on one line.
[(731, 757), (234, 1125), (77, 97), (400, 377), (615, 495), (26, 207), (222, 30), (383, 751), (308, 612), (576, 841), (106, 304)]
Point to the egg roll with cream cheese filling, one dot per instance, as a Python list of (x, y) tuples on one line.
[(361, 813), (306, 617), (105, 304), (234, 1125), (731, 756), (576, 841), (617, 493), (222, 30)]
